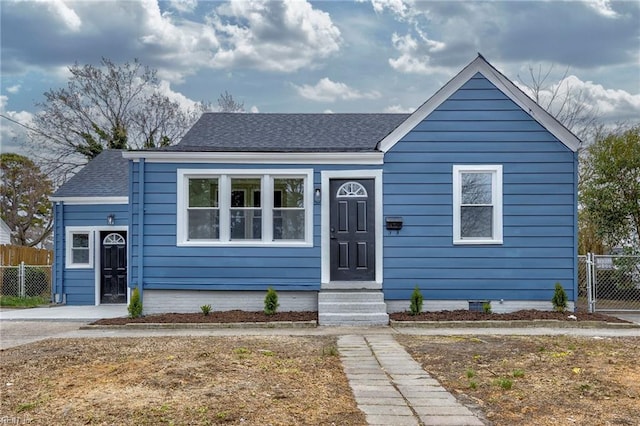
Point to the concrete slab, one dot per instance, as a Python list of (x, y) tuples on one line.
[(64, 313)]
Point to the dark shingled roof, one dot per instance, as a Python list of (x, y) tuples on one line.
[(245, 132), (107, 175)]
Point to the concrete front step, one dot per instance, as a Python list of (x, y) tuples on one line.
[(352, 307), (353, 319)]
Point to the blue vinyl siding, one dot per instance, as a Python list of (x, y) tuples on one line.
[(79, 284), (167, 266), (478, 124)]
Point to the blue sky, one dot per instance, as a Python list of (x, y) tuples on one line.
[(331, 56)]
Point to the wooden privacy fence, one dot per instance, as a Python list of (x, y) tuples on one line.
[(14, 255)]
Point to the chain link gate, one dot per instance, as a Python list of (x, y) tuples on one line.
[(609, 282), (26, 281)]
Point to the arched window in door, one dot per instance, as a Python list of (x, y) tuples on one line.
[(113, 240)]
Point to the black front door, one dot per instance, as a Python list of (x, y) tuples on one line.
[(113, 286), (352, 222)]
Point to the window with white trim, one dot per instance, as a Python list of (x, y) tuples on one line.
[(244, 207), (79, 249), (477, 204)]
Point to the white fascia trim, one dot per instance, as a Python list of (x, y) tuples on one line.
[(325, 240), (480, 65), (359, 158), (182, 191), (90, 200)]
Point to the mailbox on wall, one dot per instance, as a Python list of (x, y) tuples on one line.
[(393, 223)]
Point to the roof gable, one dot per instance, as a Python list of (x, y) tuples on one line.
[(107, 175), (511, 91)]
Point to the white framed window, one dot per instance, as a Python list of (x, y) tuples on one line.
[(477, 204), (244, 207), (79, 248)]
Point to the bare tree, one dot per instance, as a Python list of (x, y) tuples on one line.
[(568, 104), (107, 106), (226, 103)]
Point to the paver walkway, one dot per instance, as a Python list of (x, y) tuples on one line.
[(391, 388)]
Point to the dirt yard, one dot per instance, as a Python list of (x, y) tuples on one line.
[(181, 381), (538, 380)]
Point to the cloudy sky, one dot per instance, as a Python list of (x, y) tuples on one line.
[(329, 56)]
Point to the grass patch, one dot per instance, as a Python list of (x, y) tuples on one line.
[(23, 302)]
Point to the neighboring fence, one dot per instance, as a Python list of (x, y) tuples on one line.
[(13, 255), (25, 280), (609, 282)]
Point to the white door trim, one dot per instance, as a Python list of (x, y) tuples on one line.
[(326, 175)]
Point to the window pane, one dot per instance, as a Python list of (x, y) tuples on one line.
[(203, 192), (476, 222), (242, 190), (292, 192), (246, 224), (204, 224), (476, 188), (288, 224), (80, 240), (80, 255)]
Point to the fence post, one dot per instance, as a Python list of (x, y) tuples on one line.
[(589, 282), (21, 276)]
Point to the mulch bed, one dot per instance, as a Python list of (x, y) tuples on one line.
[(213, 317), (238, 316), (527, 315)]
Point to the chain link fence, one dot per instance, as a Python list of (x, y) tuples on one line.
[(609, 282), (25, 281)]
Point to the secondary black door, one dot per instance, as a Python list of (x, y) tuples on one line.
[(113, 286), (352, 222)]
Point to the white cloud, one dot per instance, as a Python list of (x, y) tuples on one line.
[(603, 7), (65, 14), (326, 90), (609, 105), (254, 109), (415, 54), (399, 109), (14, 89), (282, 36), (13, 135), (184, 6)]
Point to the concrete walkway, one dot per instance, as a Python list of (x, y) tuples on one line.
[(393, 389)]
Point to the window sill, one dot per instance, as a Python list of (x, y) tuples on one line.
[(477, 242), (244, 244), (79, 266)]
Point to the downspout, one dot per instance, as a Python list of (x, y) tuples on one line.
[(141, 230), (57, 295), (575, 229)]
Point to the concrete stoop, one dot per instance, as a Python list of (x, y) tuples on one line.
[(352, 308)]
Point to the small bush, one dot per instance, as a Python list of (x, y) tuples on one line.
[(559, 299), (135, 305), (486, 307), (470, 373), (416, 302), (271, 302), (505, 383), (205, 309), (518, 373)]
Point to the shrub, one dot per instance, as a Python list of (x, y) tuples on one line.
[(271, 302), (135, 305), (205, 309), (416, 302), (486, 307), (559, 298)]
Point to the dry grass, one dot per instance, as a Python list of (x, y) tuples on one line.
[(200, 381), (553, 380)]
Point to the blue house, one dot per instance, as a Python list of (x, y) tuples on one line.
[(471, 198)]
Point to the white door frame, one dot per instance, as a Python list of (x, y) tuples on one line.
[(325, 256)]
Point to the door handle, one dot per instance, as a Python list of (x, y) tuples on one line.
[(333, 233)]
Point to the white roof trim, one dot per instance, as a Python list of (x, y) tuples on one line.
[(480, 65), (367, 158), (90, 200)]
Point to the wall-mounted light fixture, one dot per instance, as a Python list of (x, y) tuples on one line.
[(111, 219), (317, 194)]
